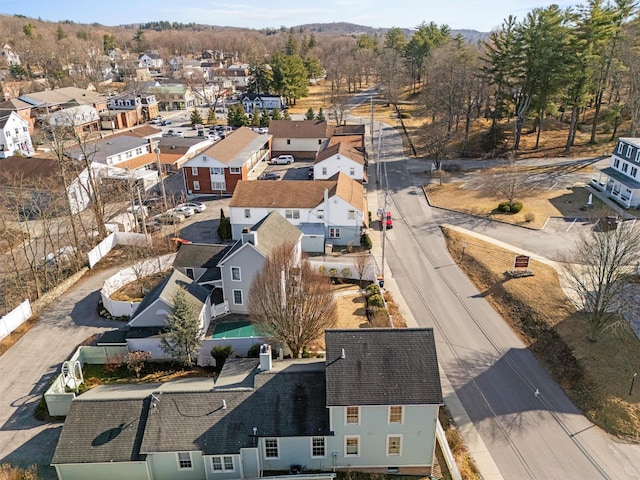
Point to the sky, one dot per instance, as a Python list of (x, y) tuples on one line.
[(481, 15)]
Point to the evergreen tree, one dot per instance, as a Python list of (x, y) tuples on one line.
[(109, 43), (183, 330), (320, 116), (60, 35), (395, 40), (196, 119), (365, 242), (224, 229), (256, 118), (285, 115), (260, 78), (290, 78), (264, 118), (237, 117), (276, 114), (310, 115), (292, 45)]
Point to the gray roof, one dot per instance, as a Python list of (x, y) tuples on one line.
[(272, 231), (199, 255), (281, 405), (621, 177), (166, 290), (382, 367), (102, 431), (99, 151)]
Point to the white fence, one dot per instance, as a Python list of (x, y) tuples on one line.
[(15, 318), (142, 269), (347, 262), (446, 452), (116, 238), (58, 397)]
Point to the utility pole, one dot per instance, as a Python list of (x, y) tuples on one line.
[(143, 214), (164, 193), (371, 99), (384, 229)]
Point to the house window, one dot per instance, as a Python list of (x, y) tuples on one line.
[(295, 214), (352, 416), (237, 297), (196, 185), (194, 171), (616, 163), (222, 464), (247, 213), (620, 147), (235, 274), (320, 213), (395, 414), (189, 273), (394, 444), (634, 171), (288, 141), (625, 167), (317, 447), (628, 155), (351, 215), (271, 448), (184, 461), (235, 170), (352, 446), (218, 185), (352, 172), (216, 171), (324, 170), (334, 233)]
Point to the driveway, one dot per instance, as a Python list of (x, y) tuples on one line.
[(27, 369)]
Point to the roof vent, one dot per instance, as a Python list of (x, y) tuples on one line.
[(343, 355), (224, 404)]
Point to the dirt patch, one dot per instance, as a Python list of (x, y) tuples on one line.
[(539, 205), (537, 309), (136, 290)]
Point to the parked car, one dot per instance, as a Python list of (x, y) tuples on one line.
[(186, 211), (150, 225), (165, 122), (169, 217), (171, 132), (310, 173), (157, 120), (269, 176), (388, 220), (60, 258), (282, 160), (196, 206), (178, 134), (197, 126)]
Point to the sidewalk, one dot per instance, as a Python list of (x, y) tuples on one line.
[(475, 445)]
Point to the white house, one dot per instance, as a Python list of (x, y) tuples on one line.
[(150, 60), (334, 210), (341, 154), (372, 406), (300, 138), (255, 101), (14, 136), (621, 179)]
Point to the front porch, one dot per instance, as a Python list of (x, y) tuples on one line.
[(617, 186)]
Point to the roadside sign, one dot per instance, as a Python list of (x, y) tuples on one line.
[(521, 261)]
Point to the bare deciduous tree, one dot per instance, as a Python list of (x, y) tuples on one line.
[(600, 271), (291, 303), (361, 263), (509, 181)]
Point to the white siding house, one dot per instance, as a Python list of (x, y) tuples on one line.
[(14, 136), (621, 179)]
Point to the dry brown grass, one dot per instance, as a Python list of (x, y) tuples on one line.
[(318, 97), (595, 379), (136, 290), (542, 204), (464, 462)]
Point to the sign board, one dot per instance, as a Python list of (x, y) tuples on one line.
[(521, 261)]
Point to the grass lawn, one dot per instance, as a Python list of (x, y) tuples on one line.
[(594, 378)]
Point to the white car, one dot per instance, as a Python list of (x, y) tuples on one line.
[(169, 217), (282, 160), (195, 206), (182, 210)]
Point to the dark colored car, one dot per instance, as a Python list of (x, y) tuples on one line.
[(269, 176), (310, 173)]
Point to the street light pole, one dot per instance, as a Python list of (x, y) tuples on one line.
[(164, 193)]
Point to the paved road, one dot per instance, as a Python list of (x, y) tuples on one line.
[(529, 436), (27, 369)]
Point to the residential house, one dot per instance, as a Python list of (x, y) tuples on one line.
[(247, 256), (192, 70), (237, 74), (175, 151), (344, 154), (371, 405), (48, 101), (148, 323), (205, 94), (130, 110), (150, 60), (255, 101), (333, 210), (14, 136), (173, 97), (21, 108), (83, 118), (620, 180), (36, 182), (302, 139), (175, 63), (10, 55), (218, 169)]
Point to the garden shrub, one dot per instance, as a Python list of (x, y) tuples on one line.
[(504, 207), (220, 354), (254, 351), (516, 207), (373, 289), (375, 300), (529, 217)]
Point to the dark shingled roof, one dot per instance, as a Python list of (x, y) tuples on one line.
[(102, 431), (282, 405), (199, 255), (382, 367)]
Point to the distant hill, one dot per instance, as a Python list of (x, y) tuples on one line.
[(345, 28)]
